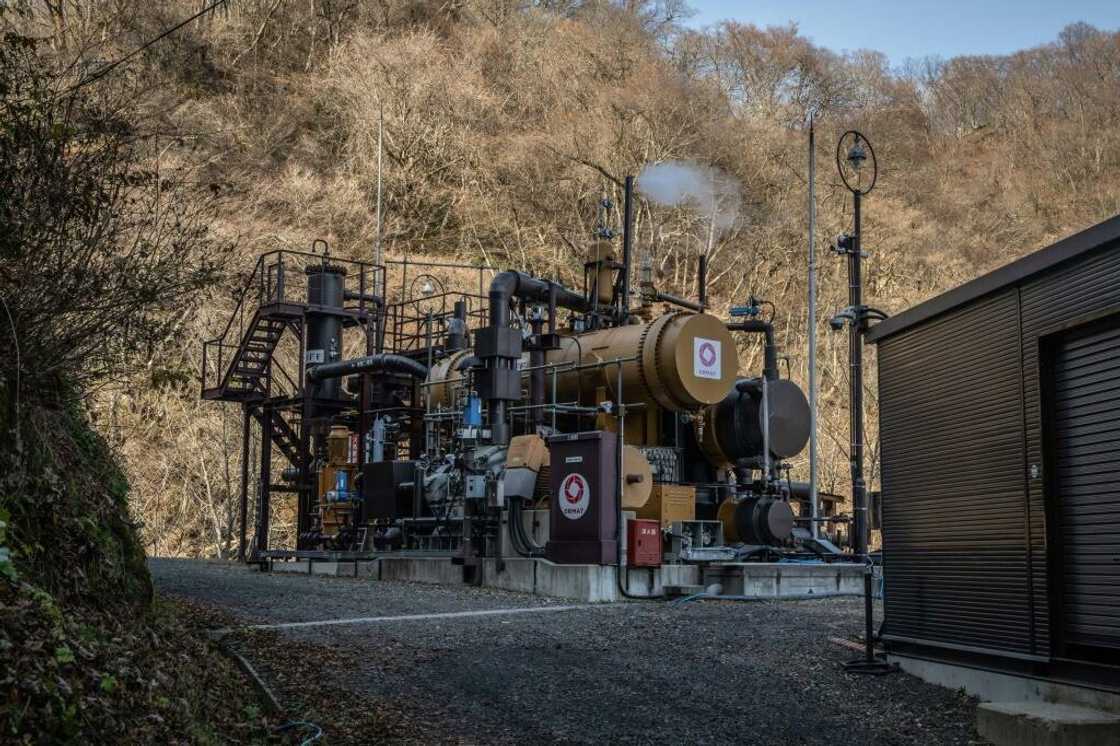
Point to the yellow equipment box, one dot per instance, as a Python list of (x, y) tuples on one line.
[(668, 503)]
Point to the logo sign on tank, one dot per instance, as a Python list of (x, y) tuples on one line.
[(706, 358), (574, 497)]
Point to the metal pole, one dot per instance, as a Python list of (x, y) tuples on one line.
[(855, 351), (813, 500), (377, 255)]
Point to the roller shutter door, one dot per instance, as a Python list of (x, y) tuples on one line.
[(1086, 460)]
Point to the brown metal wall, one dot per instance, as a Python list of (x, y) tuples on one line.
[(964, 522), (954, 485), (1051, 302)]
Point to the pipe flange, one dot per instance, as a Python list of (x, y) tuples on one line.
[(650, 372)]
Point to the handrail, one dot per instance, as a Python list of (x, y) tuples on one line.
[(268, 280)]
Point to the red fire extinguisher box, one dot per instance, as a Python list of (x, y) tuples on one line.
[(643, 543)]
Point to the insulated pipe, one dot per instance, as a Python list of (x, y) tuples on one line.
[(770, 351), (512, 284), (382, 362), (536, 374), (500, 351)]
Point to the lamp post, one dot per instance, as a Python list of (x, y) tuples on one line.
[(854, 151)]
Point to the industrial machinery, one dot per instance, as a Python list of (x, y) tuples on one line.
[(475, 424)]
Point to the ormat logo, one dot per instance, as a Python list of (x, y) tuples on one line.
[(575, 496), (706, 355)]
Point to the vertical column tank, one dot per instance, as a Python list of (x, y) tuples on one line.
[(326, 287)]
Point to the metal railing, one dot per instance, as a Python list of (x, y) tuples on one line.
[(420, 322), (277, 279)]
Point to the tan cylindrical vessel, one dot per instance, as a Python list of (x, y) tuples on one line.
[(444, 378), (683, 361)]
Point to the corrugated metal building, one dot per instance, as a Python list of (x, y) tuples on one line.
[(1000, 432)]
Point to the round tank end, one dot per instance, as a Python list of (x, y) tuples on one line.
[(696, 360)]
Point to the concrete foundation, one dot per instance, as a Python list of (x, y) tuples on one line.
[(785, 580), (1045, 724), (597, 583), (992, 686)]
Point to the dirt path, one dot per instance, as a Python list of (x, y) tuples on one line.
[(440, 664)]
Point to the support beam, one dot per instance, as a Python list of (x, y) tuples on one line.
[(246, 436), (266, 477)]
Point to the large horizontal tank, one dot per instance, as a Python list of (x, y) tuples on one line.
[(733, 428), (681, 361)]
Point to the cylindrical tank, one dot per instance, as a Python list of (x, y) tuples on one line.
[(756, 520), (444, 379), (733, 427), (683, 361), (326, 284)]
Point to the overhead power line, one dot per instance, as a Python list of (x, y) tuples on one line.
[(111, 66)]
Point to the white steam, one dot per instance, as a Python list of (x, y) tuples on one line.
[(708, 190)]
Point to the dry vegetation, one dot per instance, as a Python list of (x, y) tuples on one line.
[(507, 120)]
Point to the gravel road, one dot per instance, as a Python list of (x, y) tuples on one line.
[(704, 672)]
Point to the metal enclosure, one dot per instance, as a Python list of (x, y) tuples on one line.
[(584, 509), (1000, 437)]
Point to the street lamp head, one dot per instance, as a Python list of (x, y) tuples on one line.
[(857, 154), (854, 158)]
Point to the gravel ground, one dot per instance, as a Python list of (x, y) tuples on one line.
[(705, 672)]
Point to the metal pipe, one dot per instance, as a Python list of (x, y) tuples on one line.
[(501, 361), (766, 460), (370, 363), (769, 351), (536, 375), (702, 280), (627, 248), (678, 301)]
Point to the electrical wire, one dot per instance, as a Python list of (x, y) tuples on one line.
[(110, 67)]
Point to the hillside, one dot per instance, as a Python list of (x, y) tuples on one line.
[(505, 123)]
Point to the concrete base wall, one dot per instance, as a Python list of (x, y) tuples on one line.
[(992, 686), (779, 580), (597, 583)]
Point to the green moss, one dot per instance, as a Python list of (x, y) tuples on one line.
[(69, 531)]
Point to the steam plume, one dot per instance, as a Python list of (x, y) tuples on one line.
[(708, 190)]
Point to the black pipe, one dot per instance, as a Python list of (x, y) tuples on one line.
[(627, 249), (457, 328), (381, 362), (536, 374), (511, 284), (470, 361), (678, 301), (500, 347), (702, 280), (770, 350), (367, 297)]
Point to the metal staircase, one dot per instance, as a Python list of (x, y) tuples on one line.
[(285, 434), (247, 374)]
